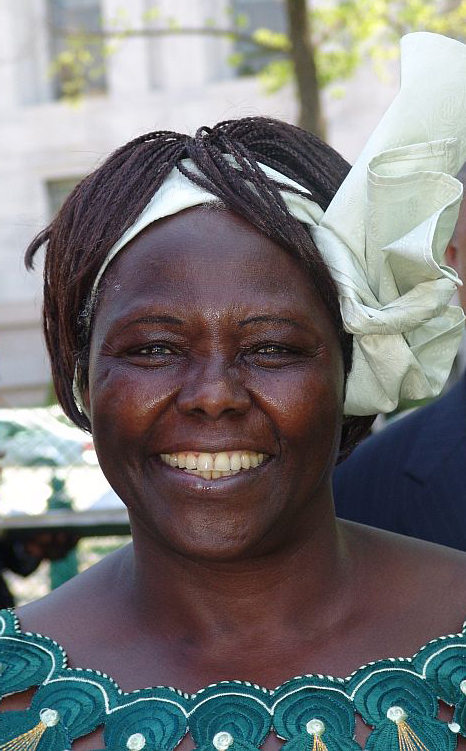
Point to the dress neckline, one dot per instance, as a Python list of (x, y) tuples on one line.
[(337, 679), (414, 659), (393, 695)]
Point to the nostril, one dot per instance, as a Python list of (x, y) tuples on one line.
[(214, 398)]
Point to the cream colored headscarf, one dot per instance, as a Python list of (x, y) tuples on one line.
[(384, 234)]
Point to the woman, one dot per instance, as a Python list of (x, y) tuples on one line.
[(195, 327)]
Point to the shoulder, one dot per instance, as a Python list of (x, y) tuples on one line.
[(413, 446), (423, 581), (89, 601)]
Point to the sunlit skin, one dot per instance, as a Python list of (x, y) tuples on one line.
[(209, 336), (456, 252), (195, 354)]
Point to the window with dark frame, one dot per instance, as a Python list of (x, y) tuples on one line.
[(69, 23), (268, 14), (57, 192)]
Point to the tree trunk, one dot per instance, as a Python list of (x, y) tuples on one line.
[(302, 56)]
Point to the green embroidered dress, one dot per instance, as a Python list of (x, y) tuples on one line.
[(398, 698)]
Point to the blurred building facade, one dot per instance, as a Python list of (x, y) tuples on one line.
[(169, 82)]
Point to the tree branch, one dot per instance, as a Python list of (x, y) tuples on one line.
[(302, 55), (166, 31)]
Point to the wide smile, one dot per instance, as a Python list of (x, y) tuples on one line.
[(214, 466)]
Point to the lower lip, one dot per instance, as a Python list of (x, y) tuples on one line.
[(195, 482)]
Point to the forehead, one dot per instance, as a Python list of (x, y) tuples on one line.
[(205, 258)]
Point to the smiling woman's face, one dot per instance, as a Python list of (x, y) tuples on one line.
[(211, 345)]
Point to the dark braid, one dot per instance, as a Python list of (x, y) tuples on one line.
[(108, 201)]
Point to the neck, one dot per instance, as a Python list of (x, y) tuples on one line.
[(279, 592)]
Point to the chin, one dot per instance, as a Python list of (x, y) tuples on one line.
[(219, 536)]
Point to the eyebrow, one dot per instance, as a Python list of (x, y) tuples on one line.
[(271, 319), (170, 320), (173, 321)]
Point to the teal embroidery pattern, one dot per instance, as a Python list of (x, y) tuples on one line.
[(397, 698)]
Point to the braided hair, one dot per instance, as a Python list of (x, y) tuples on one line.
[(108, 201)]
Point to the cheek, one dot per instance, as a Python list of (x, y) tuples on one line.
[(462, 275), (462, 297), (130, 405), (124, 401), (305, 405)]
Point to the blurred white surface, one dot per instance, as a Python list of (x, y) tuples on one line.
[(25, 490)]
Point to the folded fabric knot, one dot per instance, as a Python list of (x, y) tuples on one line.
[(394, 287)]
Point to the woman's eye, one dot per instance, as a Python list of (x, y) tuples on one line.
[(153, 350), (273, 349), (271, 355)]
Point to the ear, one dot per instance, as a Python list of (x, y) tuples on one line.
[(451, 254), (86, 400)]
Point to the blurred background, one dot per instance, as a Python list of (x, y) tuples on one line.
[(77, 79)]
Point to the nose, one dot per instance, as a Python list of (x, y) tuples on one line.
[(214, 389)]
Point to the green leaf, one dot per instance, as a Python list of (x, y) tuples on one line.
[(337, 92), (173, 23), (151, 14), (242, 21), (269, 38), (84, 56), (236, 59), (275, 75)]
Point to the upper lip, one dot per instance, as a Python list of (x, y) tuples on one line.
[(209, 448)]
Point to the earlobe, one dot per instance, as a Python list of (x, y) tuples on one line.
[(451, 255)]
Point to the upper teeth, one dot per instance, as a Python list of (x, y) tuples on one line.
[(223, 461)]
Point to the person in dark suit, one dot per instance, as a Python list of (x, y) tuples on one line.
[(24, 556), (411, 476), (14, 557)]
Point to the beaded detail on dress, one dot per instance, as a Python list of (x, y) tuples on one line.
[(397, 697)]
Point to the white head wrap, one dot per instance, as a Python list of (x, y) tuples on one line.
[(384, 234)]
